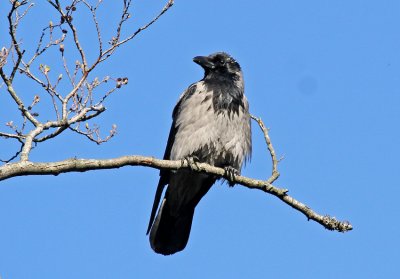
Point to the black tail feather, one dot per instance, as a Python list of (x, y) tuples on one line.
[(156, 202), (171, 228), (170, 234)]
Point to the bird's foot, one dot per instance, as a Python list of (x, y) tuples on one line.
[(231, 173), (192, 162)]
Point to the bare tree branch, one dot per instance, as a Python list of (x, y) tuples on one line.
[(82, 165), (17, 100), (67, 17), (116, 43), (275, 173), (13, 24), (79, 103), (3, 57), (15, 155)]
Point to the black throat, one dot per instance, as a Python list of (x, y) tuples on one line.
[(227, 92)]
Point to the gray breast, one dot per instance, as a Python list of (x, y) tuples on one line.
[(221, 139)]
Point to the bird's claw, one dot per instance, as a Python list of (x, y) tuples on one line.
[(231, 173), (192, 162)]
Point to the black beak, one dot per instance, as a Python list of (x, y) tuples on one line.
[(204, 61)]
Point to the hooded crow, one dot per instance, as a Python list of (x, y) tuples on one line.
[(211, 124)]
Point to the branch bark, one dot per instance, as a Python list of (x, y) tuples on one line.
[(82, 165)]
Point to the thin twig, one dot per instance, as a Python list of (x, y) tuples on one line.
[(12, 25), (109, 51), (96, 23), (275, 172), (13, 136), (17, 100), (68, 20), (14, 156)]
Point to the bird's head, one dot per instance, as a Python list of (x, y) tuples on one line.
[(219, 64)]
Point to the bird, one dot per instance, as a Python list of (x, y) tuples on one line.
[(210, 124)]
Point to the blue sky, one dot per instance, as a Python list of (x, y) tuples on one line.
[(325, 78)]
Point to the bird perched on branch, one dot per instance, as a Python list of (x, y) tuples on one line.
[(211, 124)]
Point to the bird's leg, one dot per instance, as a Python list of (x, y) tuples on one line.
[(192, 162), (230, 173)]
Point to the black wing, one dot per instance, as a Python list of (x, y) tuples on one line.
[(165, 174)]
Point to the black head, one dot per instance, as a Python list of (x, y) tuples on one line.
[(219, 64), (223, 77)]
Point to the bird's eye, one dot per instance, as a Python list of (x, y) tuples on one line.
[(221, 62)]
